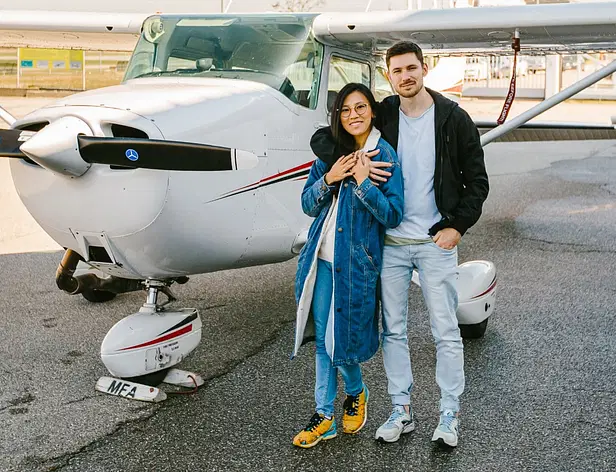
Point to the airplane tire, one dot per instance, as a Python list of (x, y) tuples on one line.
[(98, 296), (154, 379), (473, 331)]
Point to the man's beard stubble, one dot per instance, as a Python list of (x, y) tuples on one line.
[(409, 93)]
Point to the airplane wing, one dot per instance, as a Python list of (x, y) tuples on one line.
[(68, 30), (546, 131), (582, 27), (554, 27), (543, 28)]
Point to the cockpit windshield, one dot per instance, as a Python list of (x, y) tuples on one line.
[(274, 49)]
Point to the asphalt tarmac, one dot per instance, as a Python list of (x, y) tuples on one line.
[(539, 394)]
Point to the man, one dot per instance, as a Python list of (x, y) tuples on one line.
[(445, 185)]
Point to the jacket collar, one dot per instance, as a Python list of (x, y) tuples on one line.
[(372, 141), (443, 106), (390, 109)]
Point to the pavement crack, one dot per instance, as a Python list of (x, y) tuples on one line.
[(222, 305), (598, 426), (23, 400), (232, 365), (85, 397), (575, 247), (594, 390), (60, 462)]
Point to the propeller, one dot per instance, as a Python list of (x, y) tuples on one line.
[(11, 140), (53, 147), (138, 153)]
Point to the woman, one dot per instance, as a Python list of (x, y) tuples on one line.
[(338, 268)]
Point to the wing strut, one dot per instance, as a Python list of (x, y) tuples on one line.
[(7, 117), (548, 103)]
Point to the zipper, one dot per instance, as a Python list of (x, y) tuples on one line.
[(446, 149)]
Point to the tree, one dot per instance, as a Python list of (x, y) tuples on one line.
[(297, 5)]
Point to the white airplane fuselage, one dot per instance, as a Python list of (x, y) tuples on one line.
[(161, 224), (146, 223)]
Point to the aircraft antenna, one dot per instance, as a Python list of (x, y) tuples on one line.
[(228, 5), (368, 6)]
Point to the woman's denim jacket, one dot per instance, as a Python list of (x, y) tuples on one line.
[(364, 213)]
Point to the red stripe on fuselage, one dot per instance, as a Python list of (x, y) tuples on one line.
[(281, 174), (492, 285), (167, 337), (303, 166)]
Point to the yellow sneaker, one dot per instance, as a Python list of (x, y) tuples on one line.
[(355, 411), (318, 428)]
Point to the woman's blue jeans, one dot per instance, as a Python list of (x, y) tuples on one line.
[(326, 385)]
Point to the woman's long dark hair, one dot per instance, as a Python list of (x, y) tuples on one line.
[(344, 140)]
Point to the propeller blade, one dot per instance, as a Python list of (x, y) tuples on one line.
[(139, 153), (11, 140)]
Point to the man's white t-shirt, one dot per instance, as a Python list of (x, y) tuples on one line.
[(417, 155)]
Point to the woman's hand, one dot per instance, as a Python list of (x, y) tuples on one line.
[(340, 170), (361, 171)]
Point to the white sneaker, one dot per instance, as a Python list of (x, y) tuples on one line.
[(446, 433), (399, 422)]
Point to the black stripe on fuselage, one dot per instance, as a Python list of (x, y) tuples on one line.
[(265, 184), (185, 321)]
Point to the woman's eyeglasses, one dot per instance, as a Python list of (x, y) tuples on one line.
[(360, 109)]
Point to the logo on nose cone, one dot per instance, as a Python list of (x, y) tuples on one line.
[(131, 155)]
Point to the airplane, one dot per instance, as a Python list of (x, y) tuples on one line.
[(195, 162)]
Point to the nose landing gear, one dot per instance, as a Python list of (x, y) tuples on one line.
[(140, 350)]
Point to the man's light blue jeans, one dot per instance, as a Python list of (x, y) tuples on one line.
[(326, 385), (437, 269)]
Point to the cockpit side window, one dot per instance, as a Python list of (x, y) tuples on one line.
[(382, 87), (343, 71), (304, 75)]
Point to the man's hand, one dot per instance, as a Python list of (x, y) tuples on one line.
[(340, 170), (376, 173), (447, 238)]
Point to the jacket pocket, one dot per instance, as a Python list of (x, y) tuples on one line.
[(446, 251), (365, 258)]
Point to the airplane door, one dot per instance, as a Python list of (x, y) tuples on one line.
[(279, 219)]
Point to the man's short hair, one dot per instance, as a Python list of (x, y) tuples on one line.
[(404, 47)]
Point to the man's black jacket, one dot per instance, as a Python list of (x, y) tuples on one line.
[(460, 178)]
